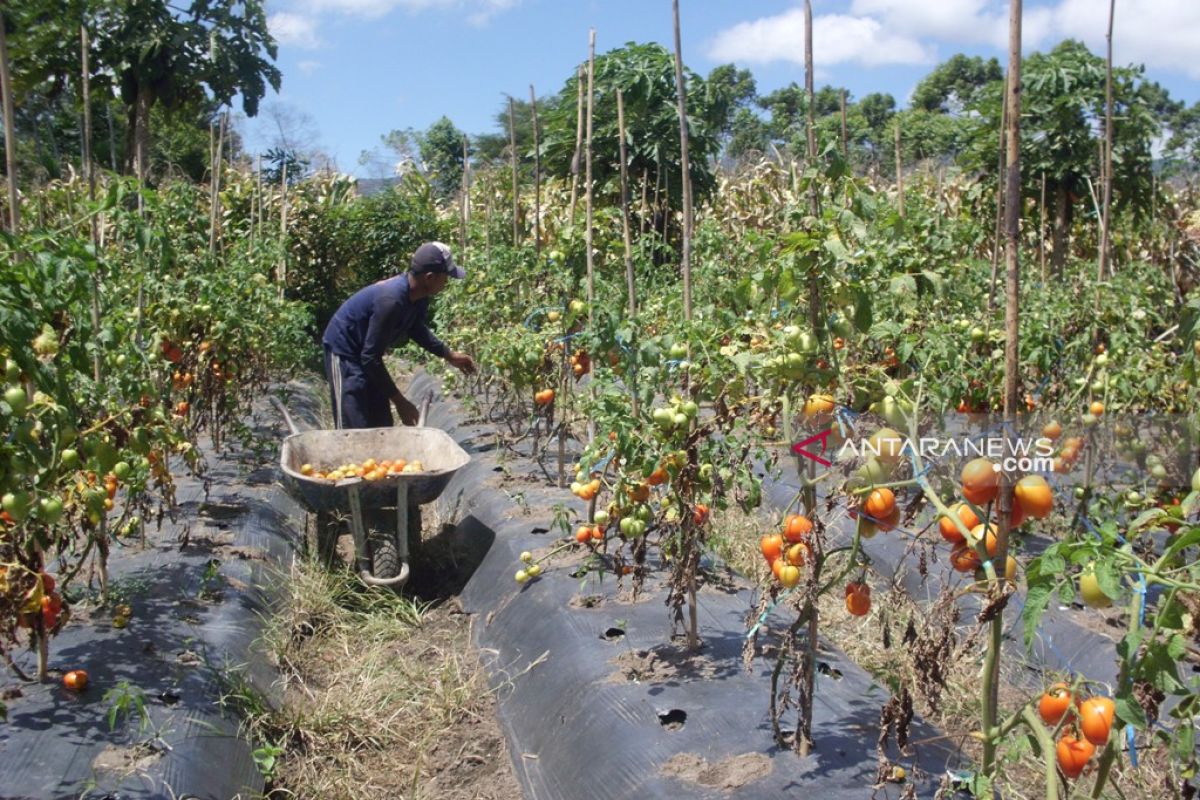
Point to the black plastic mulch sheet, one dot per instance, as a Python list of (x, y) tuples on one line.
[(598, 702), (197, 591)]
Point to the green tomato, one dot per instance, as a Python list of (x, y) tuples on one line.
[(978, 334), (690, 409), (601, 517), (16, 398), (626, 526), (121, 470), (50, 510), (70, 458), (1089, 588), (17, 504), (678, 350), (12, 371)]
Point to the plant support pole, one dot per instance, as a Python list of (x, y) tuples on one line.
[(537, 176), (512, 151), (10, 138), (587, 179), (625, 211), (681, 94)]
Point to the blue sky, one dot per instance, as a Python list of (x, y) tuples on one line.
[(355, 69)]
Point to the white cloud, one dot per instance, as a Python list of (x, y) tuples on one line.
[(1162, 34), (837, 38), (309, 67), (294, 29)]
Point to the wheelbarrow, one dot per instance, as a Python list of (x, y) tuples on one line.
[(381, 553)]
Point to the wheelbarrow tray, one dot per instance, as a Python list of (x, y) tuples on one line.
[(438, 453)]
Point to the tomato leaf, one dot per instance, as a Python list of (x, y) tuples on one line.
[(1186, 540), (1130, 712), (1176, 647), (1036, 600)]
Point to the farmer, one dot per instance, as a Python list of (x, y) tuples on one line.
[(370, 323)]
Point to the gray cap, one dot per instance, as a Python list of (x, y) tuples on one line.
[(435, 257)]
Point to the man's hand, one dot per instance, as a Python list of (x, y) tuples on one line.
[(462, 361), (407, 411)]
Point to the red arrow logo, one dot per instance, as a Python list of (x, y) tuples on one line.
[(799, 447)]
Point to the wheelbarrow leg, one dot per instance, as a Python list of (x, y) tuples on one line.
[(362, 557)]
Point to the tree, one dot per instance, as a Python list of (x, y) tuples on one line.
[(1184, 144), (645, 74), (955, 84), (728, 91), (160, 55), (442, 154), (1062, 113)]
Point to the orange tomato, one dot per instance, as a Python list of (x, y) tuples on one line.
[(888, 522), (789, 576), (858, 598), (1054, 703), (796, 554), (964, 559), (980, 481), (1073, 755), (1096, 719), (818, 404), (1034, 496), (1052, 430), (76, 680), (880, 503), (657, 477), (796, 527), (1097, 408), (583, 534), (776, 566), (990, 542), (771, 546), (949, 530), (700, 514)]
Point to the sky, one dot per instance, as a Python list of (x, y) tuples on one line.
[(353, 70)]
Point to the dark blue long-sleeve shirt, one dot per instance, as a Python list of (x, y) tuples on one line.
[(373, 321)]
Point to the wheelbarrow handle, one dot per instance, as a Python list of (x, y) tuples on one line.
[(424, 413), (287, 418)]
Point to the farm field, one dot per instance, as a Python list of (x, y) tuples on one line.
[(814, 444)]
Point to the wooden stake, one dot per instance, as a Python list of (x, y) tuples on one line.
[(591, 278), (466, 197), (283, 227), (999, 232), (845, 137), (578, 142), (537, 177), (681, 96), (899, 173), (625, 207), (215, 189), (512, 149), (1106, 164), (10, 136), (1042, 231)]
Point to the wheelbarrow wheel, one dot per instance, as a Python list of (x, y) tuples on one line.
[(385, 556)]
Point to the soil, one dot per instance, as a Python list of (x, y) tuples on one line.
[(727, 775), (662, 664)]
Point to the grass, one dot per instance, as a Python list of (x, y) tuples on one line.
[(376, 686)]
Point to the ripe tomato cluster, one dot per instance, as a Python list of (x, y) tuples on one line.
[(1086, 726)]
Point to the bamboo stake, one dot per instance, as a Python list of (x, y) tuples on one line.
[(215, 189), (1012, 232), (112, 137), (578, 142), (899, 173), (1042, 231), (465, 206), (512, 151), (1106, 163), (681, 95), (591, 278), (845, 137), (999, 211), (283, 227), (625, 210), (10, 135), (537, 177), (627, 235), (90, 173)]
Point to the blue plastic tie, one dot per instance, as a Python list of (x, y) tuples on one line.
[(763, 617)]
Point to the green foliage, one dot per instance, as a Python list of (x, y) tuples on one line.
[(442, 152), (954, 85), (645, 74), (337, 247)]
